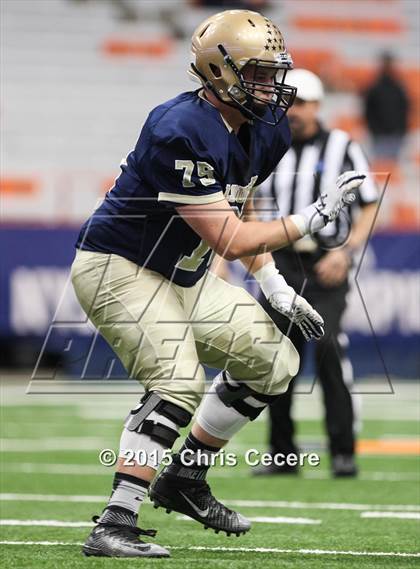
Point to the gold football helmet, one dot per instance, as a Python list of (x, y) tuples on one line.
[(230, 49)]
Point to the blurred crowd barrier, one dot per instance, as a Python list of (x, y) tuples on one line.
[(39, 307), (78, 80)]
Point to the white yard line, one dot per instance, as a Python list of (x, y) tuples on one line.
[(90, 469), (319, 505), (53, 498), (55, 444), (46, 523), (300, 551), (66, 469), (7, 542), (397, 515), (240, 549), (14, 497), (83, 524), (268, 520), (402, 405), (316, 474), (367, 476)]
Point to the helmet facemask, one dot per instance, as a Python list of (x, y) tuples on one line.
[(256, 98)]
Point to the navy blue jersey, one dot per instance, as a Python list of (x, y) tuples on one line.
[(186, 154)]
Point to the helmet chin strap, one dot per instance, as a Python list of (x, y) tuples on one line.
[(254, 111), (259, 110), (206, 82)]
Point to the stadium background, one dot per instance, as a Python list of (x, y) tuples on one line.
[(78, 80)]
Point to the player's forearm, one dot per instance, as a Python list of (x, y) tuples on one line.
[(251, 237), (255, 263), (232, 238), (255, 237)]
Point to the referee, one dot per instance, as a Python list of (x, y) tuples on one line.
[(317, 267)]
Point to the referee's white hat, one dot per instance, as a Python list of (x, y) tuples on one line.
[(309, 85)]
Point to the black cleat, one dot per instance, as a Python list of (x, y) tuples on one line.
[(194, 499), (344, 465), (117, 535)]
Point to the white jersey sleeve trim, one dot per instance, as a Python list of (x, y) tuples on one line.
[(191, 200)]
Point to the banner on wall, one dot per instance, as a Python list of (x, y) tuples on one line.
[(38, 299)]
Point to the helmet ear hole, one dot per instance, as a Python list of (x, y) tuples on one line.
[(215, 69)]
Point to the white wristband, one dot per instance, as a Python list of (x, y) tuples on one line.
[(266, 271), (269, 279), (300, 223), (309, 220)]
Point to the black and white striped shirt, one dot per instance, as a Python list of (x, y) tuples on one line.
[(306, 171)]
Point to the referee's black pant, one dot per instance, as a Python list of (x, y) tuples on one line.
[(329, 357)]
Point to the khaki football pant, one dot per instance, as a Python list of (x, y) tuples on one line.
[(163, 332)]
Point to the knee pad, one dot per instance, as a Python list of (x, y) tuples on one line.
[(241, 397), (157, 418), (152, 427), (228, 406)]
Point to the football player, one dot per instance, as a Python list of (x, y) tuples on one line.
[(140, 274)]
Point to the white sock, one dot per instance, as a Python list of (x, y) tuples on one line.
[(129, 492)]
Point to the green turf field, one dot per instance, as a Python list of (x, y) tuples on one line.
[(51, 472)]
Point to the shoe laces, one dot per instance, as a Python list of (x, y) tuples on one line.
[(204, 490)]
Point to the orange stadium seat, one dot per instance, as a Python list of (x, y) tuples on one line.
[(404, 217), (137, 48), (18, 186), (351, 124), (384, 167), (315, 60), (351, 25)]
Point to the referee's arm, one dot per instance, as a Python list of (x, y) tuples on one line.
[(333, 268), (367, 198)]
